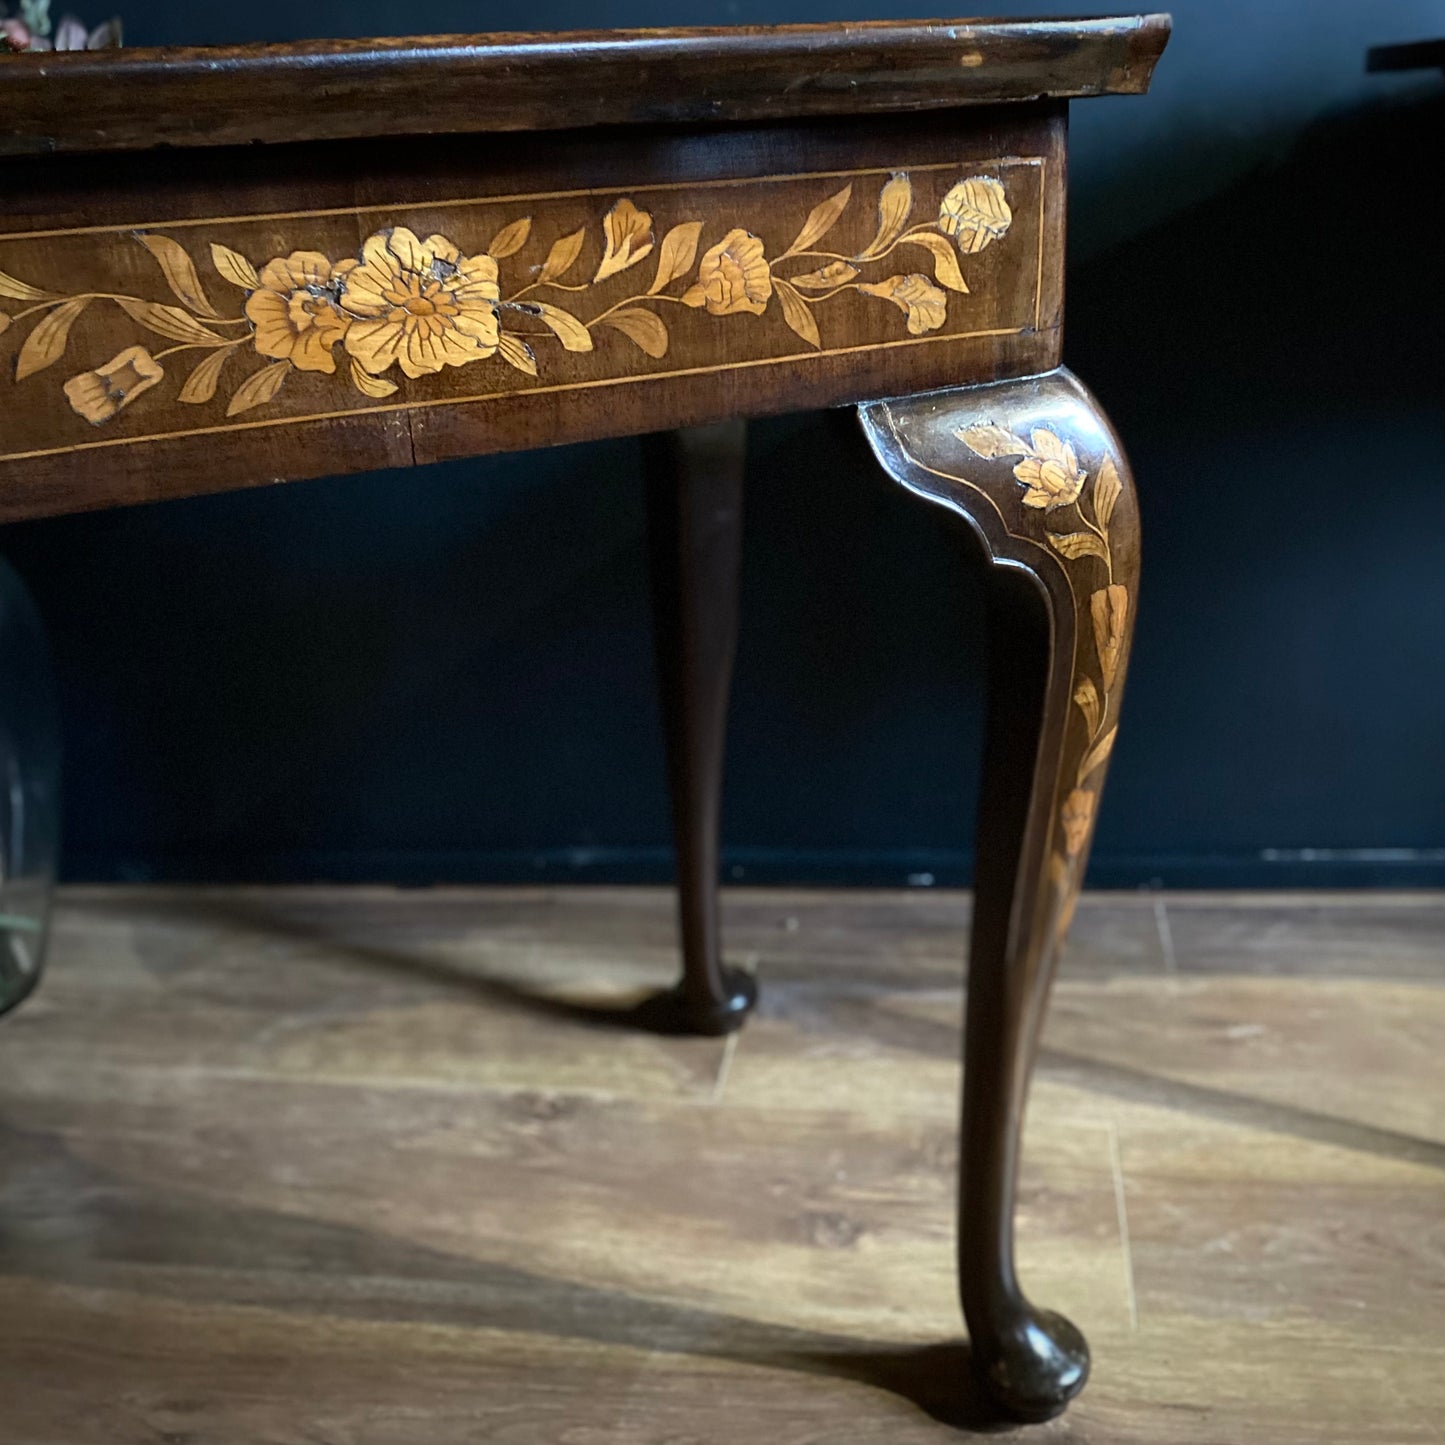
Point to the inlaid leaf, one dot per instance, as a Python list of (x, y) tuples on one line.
[(515, 352), (1087, 697), (200, 385), (235, 268), (46, 342), (1110, 609), (834, 274), (945, 263), (894, 205), (1098, 754), (19, 291), (797, 313), (367, 384), (258, 388), (991, 441), (679, 251), (562, 255), (168, 321), (573, 335), (821, 220), (510, 239), (641, 327), (180, 273), (975, 213), (1077, 544), (4, 323), (1107, 488)]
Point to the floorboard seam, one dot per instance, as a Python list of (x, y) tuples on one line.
[(1121, 1207), (724, 1067), (1166, 935)]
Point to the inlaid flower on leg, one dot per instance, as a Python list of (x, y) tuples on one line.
[(1036, 470)]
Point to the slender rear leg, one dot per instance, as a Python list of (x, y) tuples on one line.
[(694, 504)]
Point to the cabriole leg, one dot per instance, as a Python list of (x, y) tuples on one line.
[(1036, 470)]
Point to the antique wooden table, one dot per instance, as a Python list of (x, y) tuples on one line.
[(226, 267)]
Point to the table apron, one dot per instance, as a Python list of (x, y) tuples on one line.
[(182, 323)]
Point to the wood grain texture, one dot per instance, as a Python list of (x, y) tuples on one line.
[(304, 1165), (332, 90), (149, 307)]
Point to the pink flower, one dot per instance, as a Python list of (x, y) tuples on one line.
[(14, 35), (70, 34)]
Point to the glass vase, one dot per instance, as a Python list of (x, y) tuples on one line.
[(29, 791)]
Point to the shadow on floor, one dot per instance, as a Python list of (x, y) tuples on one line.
[(73, 1223)]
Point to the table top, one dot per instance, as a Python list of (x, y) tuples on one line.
[(136, 99), (700, 224)]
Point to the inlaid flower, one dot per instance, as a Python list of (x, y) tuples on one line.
[(1077, 816), (421, 304), (98, 395), (732, 277), (1051, 477), (925, 304), (629, 239), (975, 213), (296, 310)]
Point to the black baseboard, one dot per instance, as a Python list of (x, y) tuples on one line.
[(769, 867)]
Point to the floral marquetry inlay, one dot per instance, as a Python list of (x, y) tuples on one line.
[(1078, 509), (415, 301)]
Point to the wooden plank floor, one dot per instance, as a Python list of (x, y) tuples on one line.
[(346, 1167)]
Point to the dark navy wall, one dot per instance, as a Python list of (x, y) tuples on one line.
[(446, 673)]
